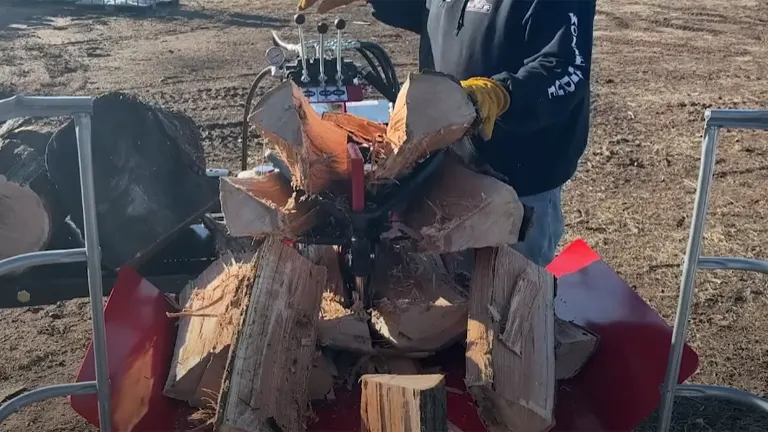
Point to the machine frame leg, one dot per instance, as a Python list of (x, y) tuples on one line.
[(715, 120)]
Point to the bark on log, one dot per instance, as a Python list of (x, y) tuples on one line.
[(463, 209), (149, 175), (420, 308), (267, 375), (510, 366), (212, 308), (418, 125), (574, 345), (314, 150), (395, 403), (257, 206)]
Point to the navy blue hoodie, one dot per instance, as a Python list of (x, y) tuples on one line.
[(541, 50)]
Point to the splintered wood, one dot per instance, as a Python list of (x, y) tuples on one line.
[(268, 372), (418, 126), (339, 327), (421, 308), (314, 150), (207, 326), (510, 359), (256, 206), (403, 403), (363, 131), (464, 209)]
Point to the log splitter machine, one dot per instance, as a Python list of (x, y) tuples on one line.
[(330, 82)]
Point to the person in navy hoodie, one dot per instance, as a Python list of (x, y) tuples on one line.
[(526, 65)]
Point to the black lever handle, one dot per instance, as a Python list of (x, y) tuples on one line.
[(322, 28), (299, 19), (340, 24)]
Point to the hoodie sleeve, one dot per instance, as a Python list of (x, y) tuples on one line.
[(555, 75), (403, 14)]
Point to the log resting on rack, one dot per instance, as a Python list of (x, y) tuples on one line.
[(30, 208), (149, 176)]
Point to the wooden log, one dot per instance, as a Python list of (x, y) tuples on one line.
[(432, 111), (510, 358), (258, 206), (212, 308), (30, 206), (321, 378), (395, 403), (574, 345), (25, 225), (365, 132), (419, 307), (463, 209), (266, 383), (314, 150), (343, 328), (339, 327), (149, 175)]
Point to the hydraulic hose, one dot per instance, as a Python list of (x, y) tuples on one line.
[(382, 69), (248, 101), (386, 62)]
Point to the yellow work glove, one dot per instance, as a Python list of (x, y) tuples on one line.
[(491, 99), (325, 5)]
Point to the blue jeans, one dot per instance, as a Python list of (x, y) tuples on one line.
[(546, 229)]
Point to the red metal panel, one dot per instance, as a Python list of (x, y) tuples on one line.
[(615, 391), (140, 341)]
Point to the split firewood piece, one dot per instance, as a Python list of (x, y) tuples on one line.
[(514, 388), (343, 328), (328, 257), (320, 378), (314, 150), (421, 309), (574, 345), (258, 206), (394, 403), (339, 327), (365, 132), (268, 371), (432, 111), (212, 307), (464, 209)]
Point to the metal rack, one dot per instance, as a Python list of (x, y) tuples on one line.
[(714, 121), (80, 108)]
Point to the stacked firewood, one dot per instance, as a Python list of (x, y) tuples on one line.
[(261, 333)]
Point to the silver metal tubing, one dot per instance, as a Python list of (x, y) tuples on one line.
[(43, 393), (83, 133), (33, 259), (693, 252), (727, 393), (737, 119), (733, 263), (44, 106)]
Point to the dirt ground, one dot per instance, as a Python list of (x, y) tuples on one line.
[(658, 65)]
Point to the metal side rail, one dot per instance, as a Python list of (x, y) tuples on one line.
[(80, 108), (714, 121)]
